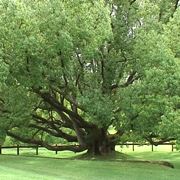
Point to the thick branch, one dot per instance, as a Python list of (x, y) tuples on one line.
[(58, 133), (74, 148), (79, 132), (175, 7), (156, 143), (130, 80), (60, 108), (117, 135), (65, 122), (133, 1)]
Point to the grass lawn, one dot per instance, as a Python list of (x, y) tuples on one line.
[(14, 167)]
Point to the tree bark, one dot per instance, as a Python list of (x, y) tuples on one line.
[(99, 143)]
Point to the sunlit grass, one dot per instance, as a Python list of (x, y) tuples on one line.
[(22, 167), (29, 166), (66, 154)]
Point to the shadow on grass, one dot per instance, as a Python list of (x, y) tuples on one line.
[(121, 157), (116, 157)]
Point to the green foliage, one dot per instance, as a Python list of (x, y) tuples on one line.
[(116, 62), (98, 108)]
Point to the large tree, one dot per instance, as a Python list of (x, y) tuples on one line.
[(75, 69)]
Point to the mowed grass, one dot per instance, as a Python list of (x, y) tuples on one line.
[(29, 166)]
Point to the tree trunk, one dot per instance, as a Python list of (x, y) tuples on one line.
[(99, 143)]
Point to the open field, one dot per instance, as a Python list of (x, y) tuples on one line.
[(26, 166)]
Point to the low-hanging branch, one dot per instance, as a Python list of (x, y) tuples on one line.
[(55, 130), (158, 142), (74, 148)]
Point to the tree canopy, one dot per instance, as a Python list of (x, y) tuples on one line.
[(73, 71)]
